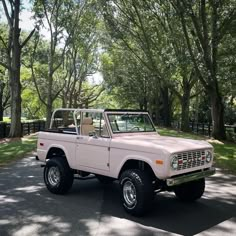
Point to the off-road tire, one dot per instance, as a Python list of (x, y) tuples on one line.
[(65, 175), (190, 191), (142, 185)]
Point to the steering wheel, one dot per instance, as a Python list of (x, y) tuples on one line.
[(135, 128)]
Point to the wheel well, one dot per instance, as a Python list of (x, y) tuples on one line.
[(55, 152), (140, 165)]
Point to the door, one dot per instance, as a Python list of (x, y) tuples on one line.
[(93, 148)]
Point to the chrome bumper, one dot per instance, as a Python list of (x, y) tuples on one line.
[(190, 177)]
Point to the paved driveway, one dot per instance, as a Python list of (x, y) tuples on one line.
[(27, 208)]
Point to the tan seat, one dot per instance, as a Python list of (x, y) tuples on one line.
[(105, 131), (86, 126), (113, 124)]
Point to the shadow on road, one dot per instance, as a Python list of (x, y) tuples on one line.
[(27, 208), (169, 214)]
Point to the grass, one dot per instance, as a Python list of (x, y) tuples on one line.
[(6, 119), (225, 152), (23, 119), (175, 133), (15, 149)]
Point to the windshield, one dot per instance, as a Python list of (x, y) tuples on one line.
[(130, 123)]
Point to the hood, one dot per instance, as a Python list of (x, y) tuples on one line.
[(153, 143)]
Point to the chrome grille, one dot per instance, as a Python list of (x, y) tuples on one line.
[(191, 159)]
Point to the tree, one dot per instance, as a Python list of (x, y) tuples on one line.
[(81, 59), (4, 93), (55, 15), (133, 27), (13, 48), (183, 76), (179, 42), (205, 24), (126, 78), (4, 88)]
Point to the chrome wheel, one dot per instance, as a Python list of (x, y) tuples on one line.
[(54, 176), (129, 193)]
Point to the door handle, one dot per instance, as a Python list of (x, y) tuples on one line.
[(79, 137)]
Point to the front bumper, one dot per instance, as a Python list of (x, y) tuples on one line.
[(190, 177)]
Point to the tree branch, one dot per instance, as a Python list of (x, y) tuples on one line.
[(62, 55), (146, 37), (176, 92), (49, 24), (7, 13), (226, 24), (6, 102), (4, 43), (28, 38), (183, 23), (33, 74), (196, 94), (64, 84), (5, 65)]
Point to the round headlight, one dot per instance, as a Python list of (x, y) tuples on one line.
[(174, 163), (208, 156)]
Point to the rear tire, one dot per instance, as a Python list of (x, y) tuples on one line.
[(58, 176), (190, 191), (136, 191)]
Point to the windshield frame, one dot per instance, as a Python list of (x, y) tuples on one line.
[(146, 114)]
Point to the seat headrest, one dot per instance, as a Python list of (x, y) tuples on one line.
[(87, 121), (112, 118)]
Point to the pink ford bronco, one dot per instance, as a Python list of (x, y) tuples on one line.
[(122, 145)]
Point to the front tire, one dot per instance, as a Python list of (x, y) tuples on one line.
[(136, 191), (58, 176), (190, 191)]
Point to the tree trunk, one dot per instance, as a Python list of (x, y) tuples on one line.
[(64, 101), (1, 104), (185, 114), (185, 101), (1, 113), (49, 103), (217, 113), (15, 85), (145, 103), (48, 115), (166, 106), (2, 86), (49, 95)]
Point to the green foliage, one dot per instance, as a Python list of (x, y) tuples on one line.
[(126, 79), (106, 100), (32, 106)]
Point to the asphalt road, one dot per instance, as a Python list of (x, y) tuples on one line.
[(28, 209)]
